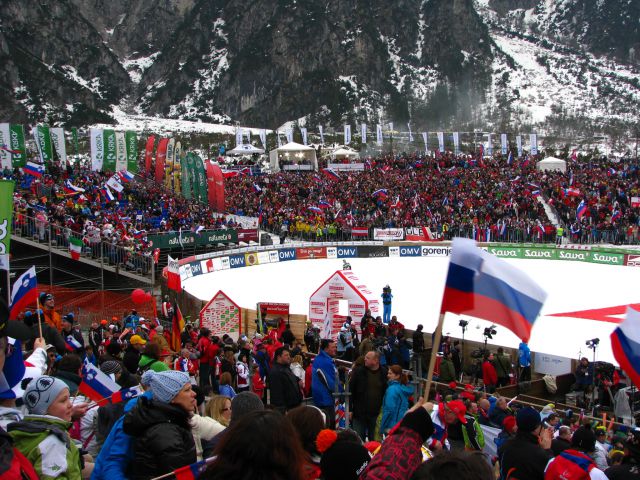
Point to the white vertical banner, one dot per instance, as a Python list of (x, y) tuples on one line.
[(489, 149), (379, 134), (441, 142), (456, 143), (58, 144), (391, 128), (303, 131), (5, 136), (519, 144), (289, 133), (97, 149), (533, 140), (347, 134), (363, 133), (121, 152), (247, 133), (263, 138), (503, 143), (278, 138), (410, 134), (425, 139), (320, 129), (238, 136)]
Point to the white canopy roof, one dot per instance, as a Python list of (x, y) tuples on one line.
[(295, 157), (245, 149), (345, 152), (293, 147), (552, 163)]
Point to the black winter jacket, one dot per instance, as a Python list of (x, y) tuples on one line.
[(360, 392), (284, 388), (162, 439), (523, 458)]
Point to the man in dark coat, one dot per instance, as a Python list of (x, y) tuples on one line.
[(283, 384), (368, 385)]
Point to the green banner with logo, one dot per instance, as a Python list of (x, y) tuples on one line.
[(188, 239), (16, 143), (131, 140), (540, 253), (506, 252), (74, 137), (607, 258), (42, 136), (191, 186), (201, 179), (6, 214), (574, 255), (110, 156)]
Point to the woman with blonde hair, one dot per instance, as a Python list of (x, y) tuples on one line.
[(219, 408), (297, 369)]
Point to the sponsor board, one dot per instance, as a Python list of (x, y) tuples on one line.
[(196, 268), (305, 253), (273, 256), (505, 252), (373, 251), (435, 251), (237, 261), (247, 235), (394, 251), (541, 253), (187, 239), (632, 260), (388, 234), (251, 259), (332, 252), (221, 315), (271, 308), (264, 257), (410, 251), (347, 252), (287, 254), (607, 258)]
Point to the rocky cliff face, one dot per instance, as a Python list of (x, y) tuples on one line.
[(431, 62)]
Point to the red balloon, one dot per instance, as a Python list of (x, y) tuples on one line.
[(139, 296), (148, 297)]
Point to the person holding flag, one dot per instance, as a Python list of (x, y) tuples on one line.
[(74, 341)]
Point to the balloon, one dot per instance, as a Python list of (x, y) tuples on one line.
[(148, 297), (139, 296)]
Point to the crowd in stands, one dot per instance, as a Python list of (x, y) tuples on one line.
[(264, 407)]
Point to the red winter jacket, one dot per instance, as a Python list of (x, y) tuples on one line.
[(489, 374)]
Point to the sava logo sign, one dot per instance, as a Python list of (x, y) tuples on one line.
[(538, 253), (608, 258), (506, 252), (580, 256)]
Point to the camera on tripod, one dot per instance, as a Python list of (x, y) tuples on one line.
[(489, 332), (463, 323), (593, 343)]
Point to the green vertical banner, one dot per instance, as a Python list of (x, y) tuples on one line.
[(42, 136), (74, 136), (6, 214), (186, 177), (201, 179), (17, 144), (109, 150), (193, 176), (132, 151)]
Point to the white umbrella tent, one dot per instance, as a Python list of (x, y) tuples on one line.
[(551, 164), (293, 156), (246, 149)]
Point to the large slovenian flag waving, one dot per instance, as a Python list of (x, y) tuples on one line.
[(24, 292), (96, 384), (484, 286), (625, 343)]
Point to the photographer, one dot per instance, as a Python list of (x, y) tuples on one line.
[(584, 375)]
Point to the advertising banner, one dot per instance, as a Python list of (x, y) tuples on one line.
[(372, 251), (110, 153), (436, 251), (131, 140), (388, 234), (221, 315), (184, 239), (6, 214), (506, 252), (287, 254), (632, 260), (551, 365), (607, 258), (270, 308), (540, 253), (305, 253), (237, 261)]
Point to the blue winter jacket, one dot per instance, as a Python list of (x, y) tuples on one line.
[(323, 395), (394, 404), (524, 355), (117, 451)]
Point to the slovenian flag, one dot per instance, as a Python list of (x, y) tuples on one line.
[(484, 286), (191, 472), (257, 188), (616, 215), (331, 173), (96, 384), (71, 188), (33, 169), (72, 344), (106, 193), (24, 292), (125, 176), (315, 209), (324, 204), (625, 343), (581, 210), (126, 394), (380, 192)]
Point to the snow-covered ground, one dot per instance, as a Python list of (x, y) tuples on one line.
[(418, 283)]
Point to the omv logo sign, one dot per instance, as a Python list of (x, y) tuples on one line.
[(347, 252), (410, 251), (287, 254), (237, 261)]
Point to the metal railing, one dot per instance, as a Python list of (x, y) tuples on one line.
[(55, 236)]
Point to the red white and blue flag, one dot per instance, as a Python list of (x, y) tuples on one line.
[(625, 343), (581, 210), (125, 176), (615, 216), (72, 344), (71, 188), (191, 472), (381, 192), (331, 173), (24, 292), (126, 394), (96, 384), (484, 286), (33, 169)]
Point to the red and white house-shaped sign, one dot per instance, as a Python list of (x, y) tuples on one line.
[(222, 315)]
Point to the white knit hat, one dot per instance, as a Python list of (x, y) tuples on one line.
[(165, 385)]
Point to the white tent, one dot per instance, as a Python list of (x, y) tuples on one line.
[(293, 156), (341, 294), (552, 163), (345, 153), (245, 149)]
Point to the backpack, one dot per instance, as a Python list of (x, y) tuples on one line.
[(144, 368)]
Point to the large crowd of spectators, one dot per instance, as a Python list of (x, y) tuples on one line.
[(267, 406)]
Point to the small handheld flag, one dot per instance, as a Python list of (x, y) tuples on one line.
[(24, 292)]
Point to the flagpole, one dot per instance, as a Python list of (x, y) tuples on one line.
[(434, 352), (39, 318), (207, 461)]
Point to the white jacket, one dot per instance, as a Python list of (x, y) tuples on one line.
[(204, 428)]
